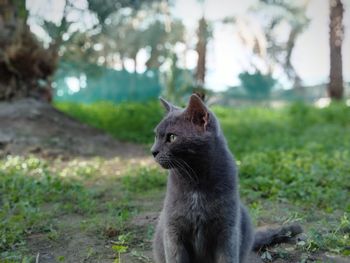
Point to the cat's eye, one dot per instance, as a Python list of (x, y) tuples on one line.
[(171, 137)]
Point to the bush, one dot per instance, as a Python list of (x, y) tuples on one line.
[(257, 85)]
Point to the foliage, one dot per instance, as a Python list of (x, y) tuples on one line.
[(103, 9), (300, 154), (277, 14), (117, 31), (337, 240), (121, 246), (126, 121), (257, 85)]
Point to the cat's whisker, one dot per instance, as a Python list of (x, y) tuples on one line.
[(169, 162), (191, 169), (188, 168), (185, 170), (176, 165)]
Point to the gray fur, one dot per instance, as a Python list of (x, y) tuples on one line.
[(203, 219)]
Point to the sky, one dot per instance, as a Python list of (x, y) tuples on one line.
[(227, 56)]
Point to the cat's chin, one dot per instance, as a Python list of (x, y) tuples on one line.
[(165, 165), (163, 162)]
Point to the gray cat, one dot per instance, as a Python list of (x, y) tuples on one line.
[(203, 219)]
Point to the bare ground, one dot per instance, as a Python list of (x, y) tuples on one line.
[(32, 127)]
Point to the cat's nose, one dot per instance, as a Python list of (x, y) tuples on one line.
[(155, 153)]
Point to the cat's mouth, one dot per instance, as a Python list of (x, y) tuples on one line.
[(164, 162)]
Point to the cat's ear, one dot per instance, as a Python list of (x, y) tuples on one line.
[(167, 105), (197, 112)]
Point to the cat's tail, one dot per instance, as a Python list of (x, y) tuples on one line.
[(271, 236)]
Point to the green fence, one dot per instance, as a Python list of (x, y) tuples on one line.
[(90, 83)]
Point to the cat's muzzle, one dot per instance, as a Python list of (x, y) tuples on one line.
[(164, 162)]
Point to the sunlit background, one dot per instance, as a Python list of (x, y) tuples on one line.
[(139, 50)]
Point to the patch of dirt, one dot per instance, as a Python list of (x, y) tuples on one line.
[(72, 245), (28, 126), (145, 219)]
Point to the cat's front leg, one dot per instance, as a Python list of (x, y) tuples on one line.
[(228, 249), (175, 250)]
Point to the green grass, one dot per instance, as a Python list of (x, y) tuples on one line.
[(298, 153), (34, 194), (297, 157), (31, 196), (127, 121), (143, 179)]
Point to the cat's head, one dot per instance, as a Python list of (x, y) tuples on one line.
[(184, 135)]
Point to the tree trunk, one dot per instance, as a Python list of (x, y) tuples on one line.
[(335, 86), (201, 50), (25, 66)]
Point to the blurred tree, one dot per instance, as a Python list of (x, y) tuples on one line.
[(257, 85), (201, 48), (119, 30), (25, 65), (276, 14), (170, 81), (145, 24), (336, 35), (123, 29), (161, 39), (149, 28), (178, 82), (104, 8)]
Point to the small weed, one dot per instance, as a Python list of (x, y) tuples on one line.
[(61, 259), (140, 257), (90, 253), (121, 246), (336, 240)]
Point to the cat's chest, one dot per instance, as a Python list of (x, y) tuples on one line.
[(195, 201), (192, 207), (198, 218), (196, 208)]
